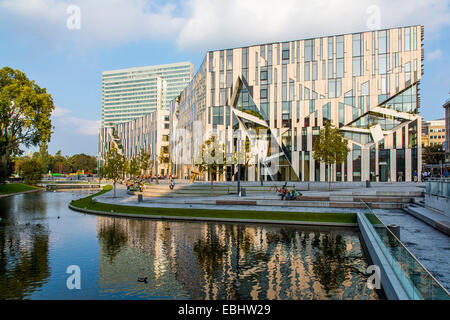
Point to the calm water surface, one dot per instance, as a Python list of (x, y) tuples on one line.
[(182, 260)]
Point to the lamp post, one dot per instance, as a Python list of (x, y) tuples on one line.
[(156, 167), (239, 167)]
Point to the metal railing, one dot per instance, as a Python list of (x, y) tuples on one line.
[(408, 267), (439, 188)]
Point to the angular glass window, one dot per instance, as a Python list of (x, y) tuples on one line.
[(365, 88)]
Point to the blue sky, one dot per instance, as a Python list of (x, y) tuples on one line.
[(117, 34)]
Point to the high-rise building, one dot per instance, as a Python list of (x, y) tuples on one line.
[(131, 93), (365, 83), (135, 104)]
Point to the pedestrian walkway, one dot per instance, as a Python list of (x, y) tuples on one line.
[(435, 219)]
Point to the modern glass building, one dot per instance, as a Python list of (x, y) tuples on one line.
[(131, 93), (135, 104), (366, 84)]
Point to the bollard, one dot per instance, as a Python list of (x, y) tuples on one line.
[(367, 184), (140, 198), (243, 192)]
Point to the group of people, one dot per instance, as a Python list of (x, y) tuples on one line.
[(427, 175), (285, 194)]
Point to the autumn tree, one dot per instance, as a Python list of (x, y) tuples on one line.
[(25, 110), (330, 148)]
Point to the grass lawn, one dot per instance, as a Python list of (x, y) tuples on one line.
[(261, 215), (15, 187)]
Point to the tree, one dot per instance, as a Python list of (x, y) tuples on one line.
[(433, 154), (114, 166), (330, 148), (31, 171), (59, 163), (82, 162), (133, 167), (145, 161), (25, 110), (44, 157), (211, 158), (164, 157), (246, 155)]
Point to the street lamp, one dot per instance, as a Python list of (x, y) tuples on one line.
[(239, 167)]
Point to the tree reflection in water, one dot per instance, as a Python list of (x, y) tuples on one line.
[(330, 261), (24, 264), (113, 237), (210, 253)]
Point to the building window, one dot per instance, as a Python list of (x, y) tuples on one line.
[(357, 66), (263, 75), (314, 70), (309, 50), (229, 59), (339, 68), (263, 93), (340, 47), (407, 39), (307, 72)]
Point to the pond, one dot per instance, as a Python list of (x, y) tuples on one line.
[(40, 237)]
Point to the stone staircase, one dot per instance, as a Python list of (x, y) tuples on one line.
[(266, 196)]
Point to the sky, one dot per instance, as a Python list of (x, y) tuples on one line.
[(65, 45)]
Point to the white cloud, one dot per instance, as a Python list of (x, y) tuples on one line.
[(215, 24), (62, 120), (208, 24), (103, 22), (434, 55)]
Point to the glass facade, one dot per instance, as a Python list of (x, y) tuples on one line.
[(367, 84), (132, 93)]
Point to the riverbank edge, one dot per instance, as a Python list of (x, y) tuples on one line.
[(212, 219), (197, 219), (21, 192)]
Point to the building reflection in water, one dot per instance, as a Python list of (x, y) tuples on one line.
[(191, 260)]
